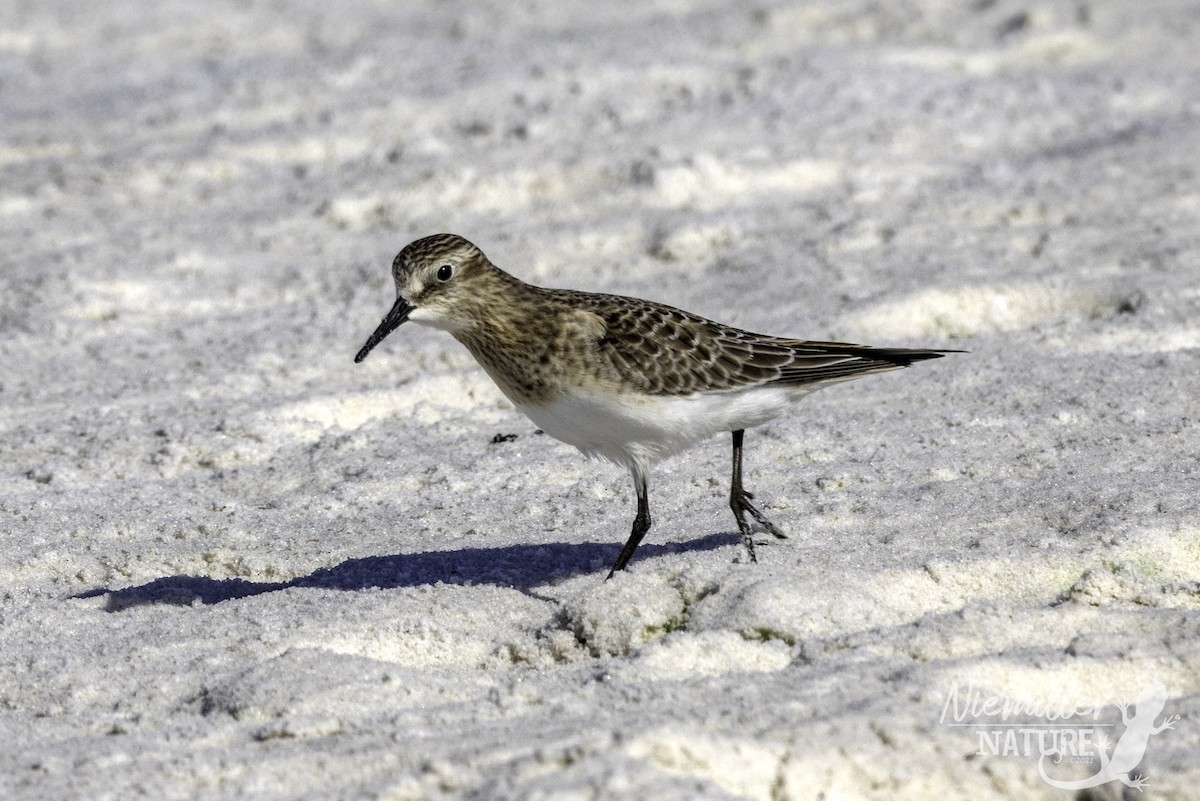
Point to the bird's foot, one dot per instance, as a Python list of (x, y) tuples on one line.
[(741, 504)]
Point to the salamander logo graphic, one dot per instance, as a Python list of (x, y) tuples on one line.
[(1056, 731), (1130, 748)]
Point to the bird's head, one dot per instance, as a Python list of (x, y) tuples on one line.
[(438, 283)]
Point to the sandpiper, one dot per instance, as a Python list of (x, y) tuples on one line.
[(630, 380)]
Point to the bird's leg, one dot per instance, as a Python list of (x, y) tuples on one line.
[(641, 524), (739, 501)]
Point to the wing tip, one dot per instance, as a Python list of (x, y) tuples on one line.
[(906, 357), (900, 357)]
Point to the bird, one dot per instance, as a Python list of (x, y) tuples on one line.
[(629, 380)]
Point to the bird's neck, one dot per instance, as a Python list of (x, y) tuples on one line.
[(512, 338)]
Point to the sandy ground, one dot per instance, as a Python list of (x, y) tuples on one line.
[(236, 565)]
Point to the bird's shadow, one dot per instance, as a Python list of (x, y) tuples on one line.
[(521, 567)]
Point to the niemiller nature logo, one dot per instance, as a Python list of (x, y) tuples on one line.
[(1061, 731)]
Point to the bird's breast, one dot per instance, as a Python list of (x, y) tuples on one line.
[(539, 358)]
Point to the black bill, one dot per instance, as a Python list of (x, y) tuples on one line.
[(398, 314)]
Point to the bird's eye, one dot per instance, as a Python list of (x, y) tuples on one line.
[(444, 272)]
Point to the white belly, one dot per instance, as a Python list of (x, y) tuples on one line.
[(636, 430)]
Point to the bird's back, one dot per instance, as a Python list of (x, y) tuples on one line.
[(662, 350)]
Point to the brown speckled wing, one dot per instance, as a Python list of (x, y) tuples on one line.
[(667, 351)]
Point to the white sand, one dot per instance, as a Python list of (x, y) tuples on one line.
[(236, 565)]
